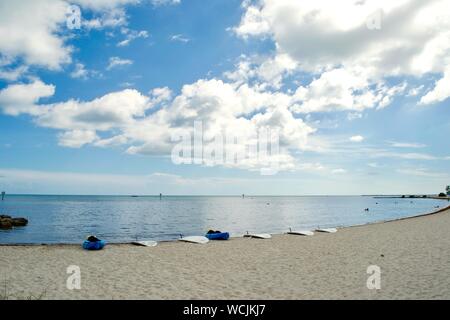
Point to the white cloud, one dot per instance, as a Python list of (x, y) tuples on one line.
[(253, 23), (440, 92), (266, 71), (77, 138), (122, 118), (354, 115), (332, 40), (22, 98), (344, 89), (397, 144), (13, 74), (103, 5), (161, 94), (165, 2), (356, 138), (79, 72), (415, 91), (323, 33), (35, 30), (221, 107), (111, 18), (115, 62), (422, 172), (113, 110), (339, 171), (31, 29), (179, 38), (407, 156), (131, 35)]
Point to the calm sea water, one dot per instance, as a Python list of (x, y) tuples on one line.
[(68, 219)]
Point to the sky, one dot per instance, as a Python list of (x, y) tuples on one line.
[(99, 97)]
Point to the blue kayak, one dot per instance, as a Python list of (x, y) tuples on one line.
[(93, 245), (218, 236)]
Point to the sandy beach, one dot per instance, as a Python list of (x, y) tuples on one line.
[(413, 255)]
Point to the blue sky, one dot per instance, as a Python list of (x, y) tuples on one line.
[(91, 110)]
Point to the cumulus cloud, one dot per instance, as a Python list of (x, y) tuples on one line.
[(22, 98), (266, 71), (322, 33), (36, 31), (342, 89), (31, 29), (332, 39), (125, 118), (77, 138), (113, 110)]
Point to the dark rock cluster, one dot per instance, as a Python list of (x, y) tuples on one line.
[(8, 222)]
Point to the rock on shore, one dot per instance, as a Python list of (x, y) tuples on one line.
[(8, 222)]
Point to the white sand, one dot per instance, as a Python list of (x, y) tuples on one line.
[(416, 264)]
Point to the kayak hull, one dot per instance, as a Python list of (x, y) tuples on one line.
[(218, 236), (94, 245)]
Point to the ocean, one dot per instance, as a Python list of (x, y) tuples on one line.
[(69, 219)]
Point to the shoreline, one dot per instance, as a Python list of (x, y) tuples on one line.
[(231, 236), (413, 255)]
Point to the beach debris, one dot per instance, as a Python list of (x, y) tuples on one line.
[(8, 222)]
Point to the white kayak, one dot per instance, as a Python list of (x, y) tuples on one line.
[(195, 239), (327, 230), (258, 235), (301, 233), (145, 243)]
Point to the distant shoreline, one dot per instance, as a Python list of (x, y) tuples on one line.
[(428, 196)]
